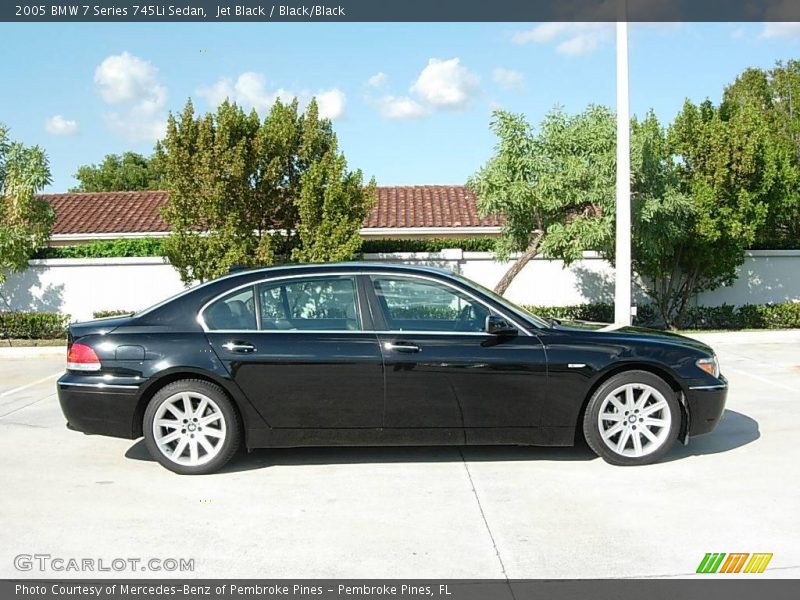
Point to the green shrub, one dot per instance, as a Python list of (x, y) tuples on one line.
[(599, 312), (154, 247), (749, 316), (33, 326), (102, 314), (106, 249), (473, 244)]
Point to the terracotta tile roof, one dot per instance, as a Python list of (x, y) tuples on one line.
[(108, 212), (138, 212), (427, 206)]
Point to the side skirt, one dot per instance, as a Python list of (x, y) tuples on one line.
[(522, 436)]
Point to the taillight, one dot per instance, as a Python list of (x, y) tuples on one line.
[(81, 357)]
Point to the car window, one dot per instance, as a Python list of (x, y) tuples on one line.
[(411, 304), (235, 311), (320, 303)]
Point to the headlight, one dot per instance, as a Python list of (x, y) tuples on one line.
[(709, 365)]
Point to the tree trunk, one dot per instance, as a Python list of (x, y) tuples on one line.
[(529, 254)]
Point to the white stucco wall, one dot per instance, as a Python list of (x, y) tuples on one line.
[(766, 276), (79, 287)]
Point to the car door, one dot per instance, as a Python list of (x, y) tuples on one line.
[(298, 349), (443, 369)]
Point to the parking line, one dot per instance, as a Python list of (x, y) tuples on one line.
[(485, 521), (762, 379), (28, 385), (19, 408)]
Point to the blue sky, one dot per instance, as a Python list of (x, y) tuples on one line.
[(411, 102)]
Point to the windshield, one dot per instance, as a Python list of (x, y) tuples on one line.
[(517, 310)]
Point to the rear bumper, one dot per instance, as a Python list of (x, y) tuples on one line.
[(706, 405), (98, 407)]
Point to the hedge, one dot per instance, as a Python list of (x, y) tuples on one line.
[(26, 325), (106, 249), (33, 326), (748, 316), (102, 314), (473, 244), (154, 247)]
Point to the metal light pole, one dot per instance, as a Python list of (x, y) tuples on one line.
[(622, 290)]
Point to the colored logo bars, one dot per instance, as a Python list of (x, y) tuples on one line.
[(736, 562)]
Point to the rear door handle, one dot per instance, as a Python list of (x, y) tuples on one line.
[(240, 347), (401, 347)]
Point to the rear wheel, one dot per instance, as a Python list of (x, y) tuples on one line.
[(632, 419), (191, 427)]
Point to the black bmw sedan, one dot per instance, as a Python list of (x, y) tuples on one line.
[(376, 354)]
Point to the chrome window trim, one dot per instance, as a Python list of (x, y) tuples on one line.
[(202, 323)]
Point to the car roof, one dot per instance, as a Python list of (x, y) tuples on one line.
[(339, 266)]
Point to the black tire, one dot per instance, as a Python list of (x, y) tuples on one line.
[(591, 426), (229, 422)]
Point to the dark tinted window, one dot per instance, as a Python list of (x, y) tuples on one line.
[(234, 311), (319, 303), (411, 304)]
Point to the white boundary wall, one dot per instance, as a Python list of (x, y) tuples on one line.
[(79, 287)]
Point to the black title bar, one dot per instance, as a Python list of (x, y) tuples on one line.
[(398, 10)]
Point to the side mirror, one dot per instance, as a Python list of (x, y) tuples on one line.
[(496, 325)]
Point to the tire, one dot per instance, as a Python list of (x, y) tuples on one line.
[(640, 421), (197, 444)]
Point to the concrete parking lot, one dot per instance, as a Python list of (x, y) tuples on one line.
[(411, 512)]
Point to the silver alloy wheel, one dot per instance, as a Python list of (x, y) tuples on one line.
[(634, 420), (189, 428)]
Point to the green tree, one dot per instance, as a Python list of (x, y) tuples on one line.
[(775, 95), (332, 206), (554, 186), (663, 219), (252, 192), (700, 191), (25, 220), (729, 166), (122, 173)]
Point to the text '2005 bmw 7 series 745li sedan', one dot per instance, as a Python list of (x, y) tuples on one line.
[(375, 354)]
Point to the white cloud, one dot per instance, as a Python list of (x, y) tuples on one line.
[(250, 90), (508, 78), (58, 125), (441, 85), (572, 39), (378, 80), (781, 30), (331, 103), (133, 84), (403, 107), (446, 84)]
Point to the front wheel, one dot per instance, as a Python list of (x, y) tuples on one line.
[(632, 419), (191, 427)]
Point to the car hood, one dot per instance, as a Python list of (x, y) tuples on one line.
[(635, 333)]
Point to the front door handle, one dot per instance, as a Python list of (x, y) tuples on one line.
[(401, 347), (241, 347)]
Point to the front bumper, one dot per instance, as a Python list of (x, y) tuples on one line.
[(93, 405), (706, 405)]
